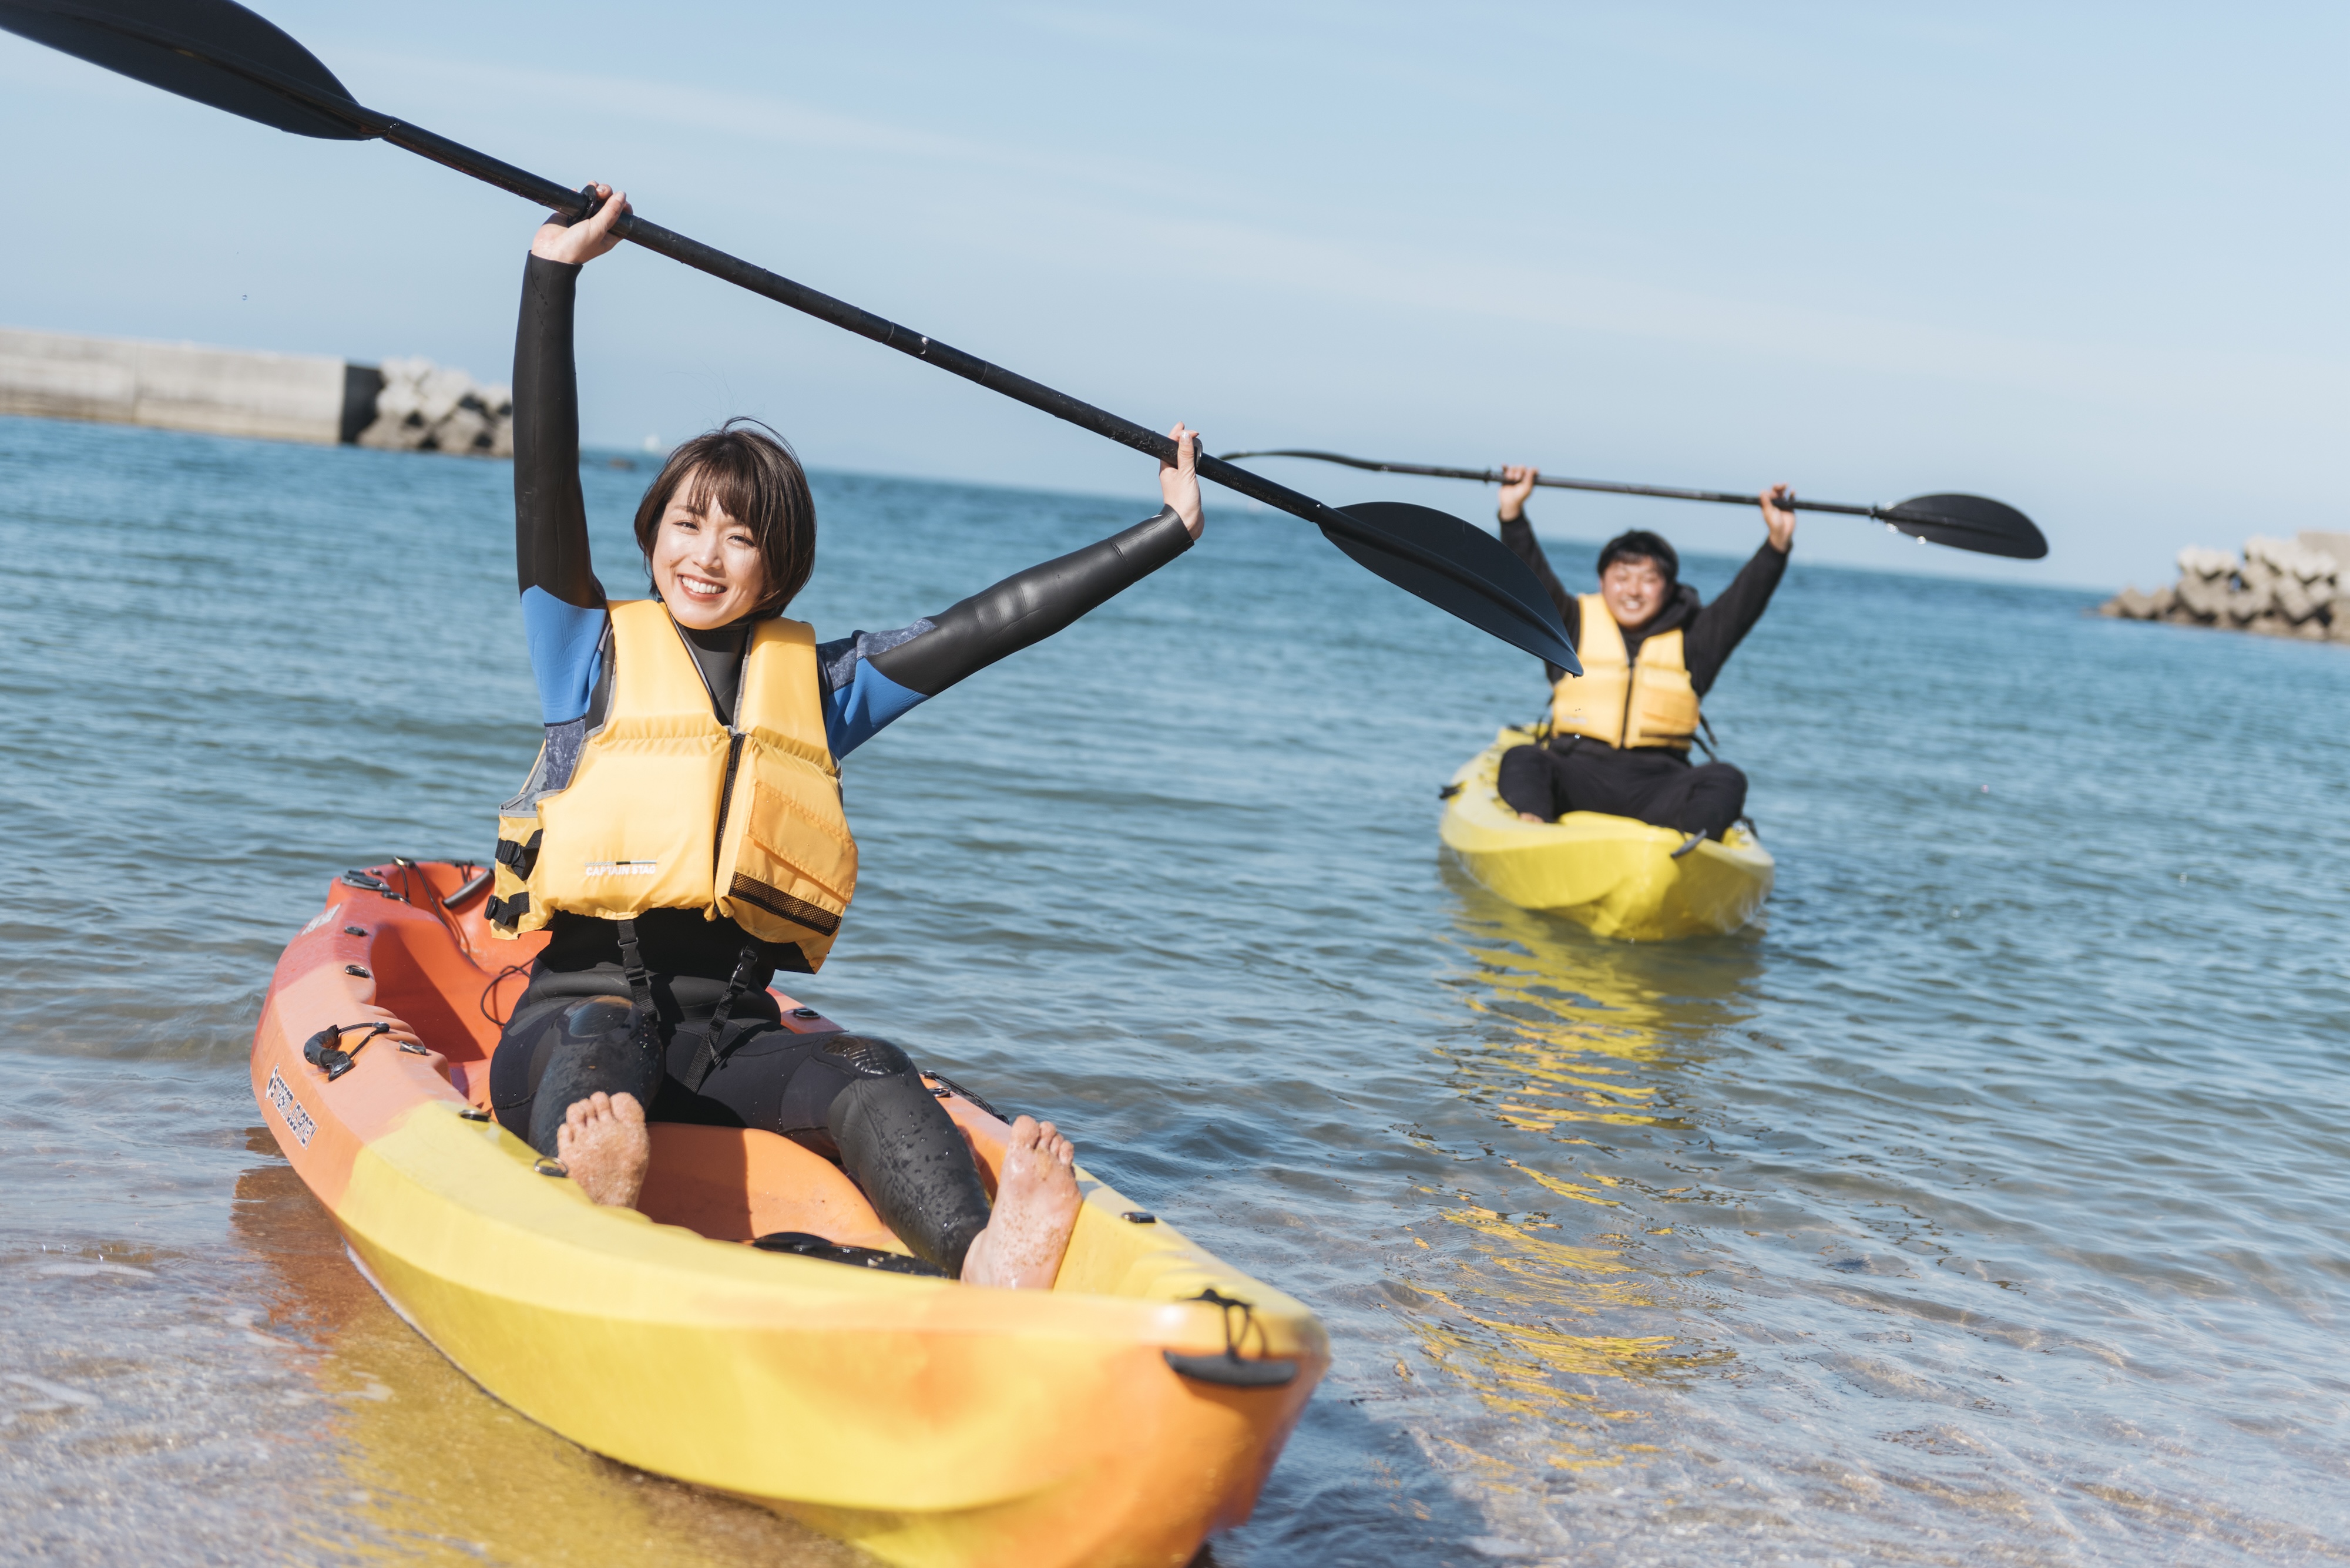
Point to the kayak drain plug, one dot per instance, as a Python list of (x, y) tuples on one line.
[(473, 1112), (552, 1168)]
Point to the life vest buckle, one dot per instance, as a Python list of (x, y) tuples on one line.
[(521, 858)]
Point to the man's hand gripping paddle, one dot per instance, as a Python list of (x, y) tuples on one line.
[(1974, 522), (221, 53)]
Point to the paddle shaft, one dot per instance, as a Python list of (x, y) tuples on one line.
[(1670, 492), (1451, 563), (718, 264), (577, 205)]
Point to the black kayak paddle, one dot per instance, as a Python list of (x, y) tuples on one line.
[(219, 53), (1974, 522)]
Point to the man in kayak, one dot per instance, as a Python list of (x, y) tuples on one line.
[(1620, 733), (681, 837)]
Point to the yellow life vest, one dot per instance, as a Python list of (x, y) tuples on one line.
[(670, 809), (1626, 703)]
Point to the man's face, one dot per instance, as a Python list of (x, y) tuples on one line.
[(1634, 589)]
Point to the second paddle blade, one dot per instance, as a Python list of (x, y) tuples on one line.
[(1484, 584), (196, 49), (1974, 522)]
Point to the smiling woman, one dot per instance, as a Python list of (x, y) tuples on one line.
[(682, 835)]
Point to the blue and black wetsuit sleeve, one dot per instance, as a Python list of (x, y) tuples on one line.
[(563, 610), (1518, 534), (872, 678)]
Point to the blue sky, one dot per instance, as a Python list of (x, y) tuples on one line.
[(2085, 259)]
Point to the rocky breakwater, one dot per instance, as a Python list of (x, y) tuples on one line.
[(2278, 588), (424, 407)]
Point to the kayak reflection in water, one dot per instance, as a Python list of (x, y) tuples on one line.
[(680, 836), (1620, 733)]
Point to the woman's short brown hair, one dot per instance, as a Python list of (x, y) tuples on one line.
[(751, 473)]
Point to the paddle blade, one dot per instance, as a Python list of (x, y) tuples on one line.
[(1969, 522), (213, 51), (1478, 580)]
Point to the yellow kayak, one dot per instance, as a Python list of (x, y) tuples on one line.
[(1118, 1418), (1611, 874)]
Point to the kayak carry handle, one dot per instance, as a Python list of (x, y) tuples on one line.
[(478, 880), (1229, 1371)]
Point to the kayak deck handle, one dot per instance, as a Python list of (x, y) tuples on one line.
[(1229, 1371), (478, 880)]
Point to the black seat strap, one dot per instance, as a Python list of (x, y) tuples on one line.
[(644, 1031), (706, 1059)]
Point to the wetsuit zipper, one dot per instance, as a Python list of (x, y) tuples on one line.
[(734, 742)]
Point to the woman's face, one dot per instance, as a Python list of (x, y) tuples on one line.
[(706, 564)]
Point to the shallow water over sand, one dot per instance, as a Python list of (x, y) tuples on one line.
[(1983, 1205)]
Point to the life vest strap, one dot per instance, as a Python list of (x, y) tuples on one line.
[(644, 1031), (521, 858), (708, 1055)]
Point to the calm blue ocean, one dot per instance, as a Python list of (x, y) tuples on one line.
[(1984, 1204)]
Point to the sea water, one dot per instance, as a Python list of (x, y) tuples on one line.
[(1983, 1203)]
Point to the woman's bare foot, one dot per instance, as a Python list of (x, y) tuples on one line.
[(603, 1143), (1530, 816), (1037, 1202)]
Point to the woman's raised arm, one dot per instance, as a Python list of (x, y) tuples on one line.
[(562, 603), (1030, 606)]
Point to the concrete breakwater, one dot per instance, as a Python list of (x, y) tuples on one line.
[(401, 405), (2277, 587), (424, 407)]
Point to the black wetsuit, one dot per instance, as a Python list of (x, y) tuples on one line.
[(1652, 783), (853, 1098)]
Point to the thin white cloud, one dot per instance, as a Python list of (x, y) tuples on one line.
[(1102, 204)]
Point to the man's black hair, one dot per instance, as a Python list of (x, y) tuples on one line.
[(1640, 542)]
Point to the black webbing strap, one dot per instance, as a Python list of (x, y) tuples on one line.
[(644, 1031), (706, 1059)]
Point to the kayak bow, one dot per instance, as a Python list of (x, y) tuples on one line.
[(1118, 1418)]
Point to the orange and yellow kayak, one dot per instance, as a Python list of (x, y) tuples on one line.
[(1119, 1417)]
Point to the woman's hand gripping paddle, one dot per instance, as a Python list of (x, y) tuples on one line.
[(221, 53)]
